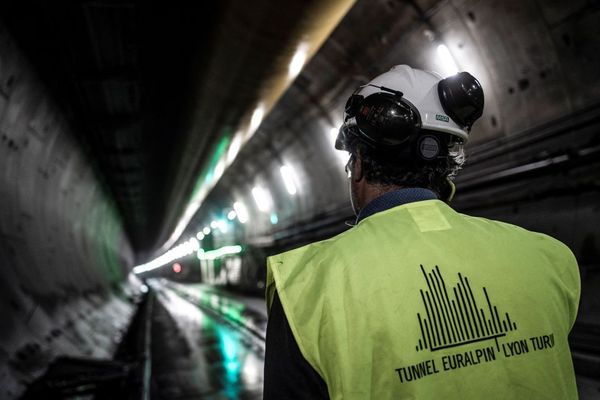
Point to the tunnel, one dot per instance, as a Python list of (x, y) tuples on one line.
[(153, 156)]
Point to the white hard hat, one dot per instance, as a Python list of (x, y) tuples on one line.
[(404, 102)]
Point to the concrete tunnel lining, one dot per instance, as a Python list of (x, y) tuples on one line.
[(63, 253)]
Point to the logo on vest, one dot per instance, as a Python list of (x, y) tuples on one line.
[(453, 317)]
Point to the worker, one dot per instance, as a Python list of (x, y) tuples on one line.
[(418, 301)]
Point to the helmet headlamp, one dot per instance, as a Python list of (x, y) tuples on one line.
[(461, 96)]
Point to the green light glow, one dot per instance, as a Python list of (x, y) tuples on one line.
[(206, 179), (218, 253), (229, 350), (233, 311)]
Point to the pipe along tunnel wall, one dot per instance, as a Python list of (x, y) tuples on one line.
[(64, 257)]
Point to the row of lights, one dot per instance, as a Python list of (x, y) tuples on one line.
[(296, 64), (262, 197), (184, 249), (264, 202)]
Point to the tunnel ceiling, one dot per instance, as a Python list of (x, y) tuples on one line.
[(124, 84), (150, 88)]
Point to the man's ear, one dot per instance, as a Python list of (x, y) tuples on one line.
[(357, 172)]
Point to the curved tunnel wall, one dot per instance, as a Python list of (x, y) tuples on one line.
[(542, 105), (533, 93), (63, 251)]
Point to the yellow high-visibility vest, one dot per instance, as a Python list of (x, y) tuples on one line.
[(422, 302)]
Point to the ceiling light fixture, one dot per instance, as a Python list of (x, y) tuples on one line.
[(289, 178), (298, 60), (262, 198), (241, 211), (231, 215), (256, 119)]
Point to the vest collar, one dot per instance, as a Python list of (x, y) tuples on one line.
[(393, 199)]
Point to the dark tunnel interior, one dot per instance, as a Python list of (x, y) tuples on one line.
[(152, 157)]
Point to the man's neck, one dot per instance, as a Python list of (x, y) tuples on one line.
[(371, 192), (394, 198)]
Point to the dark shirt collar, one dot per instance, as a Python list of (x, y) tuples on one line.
[(393, 199)]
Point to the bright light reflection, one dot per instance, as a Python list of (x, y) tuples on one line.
[(194, 244), (177, 252), (200, 235), (187, 248), (183, 309), (214, 301), (262, 198), (298, 60), (342, 155), (234, 147), (274, 219), (218, 253), (242, 211), (222, 225), (206, 230), (256, 119), (447, 62), (289, 177), (333, 132), (219, 169), (229, 346), (231, 215), (214, 224), (252, 369)]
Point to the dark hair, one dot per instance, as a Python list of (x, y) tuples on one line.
[(405, 170)]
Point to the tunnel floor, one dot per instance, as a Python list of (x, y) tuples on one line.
[(209, 344), (198, 355)]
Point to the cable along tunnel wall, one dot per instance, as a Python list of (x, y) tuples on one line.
[(63, 254)]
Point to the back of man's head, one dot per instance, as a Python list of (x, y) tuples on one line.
[(390, 172), (408, 126)]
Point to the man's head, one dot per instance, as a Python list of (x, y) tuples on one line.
[(406, 128)]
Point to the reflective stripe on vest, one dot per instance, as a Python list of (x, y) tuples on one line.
[(421, 302)]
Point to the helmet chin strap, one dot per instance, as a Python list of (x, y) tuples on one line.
[(349, 170), (452, 186), (355, 208)]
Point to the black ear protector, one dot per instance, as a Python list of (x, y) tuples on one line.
[(429, 147), (386, 121), (382, 119), (424, 147)]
